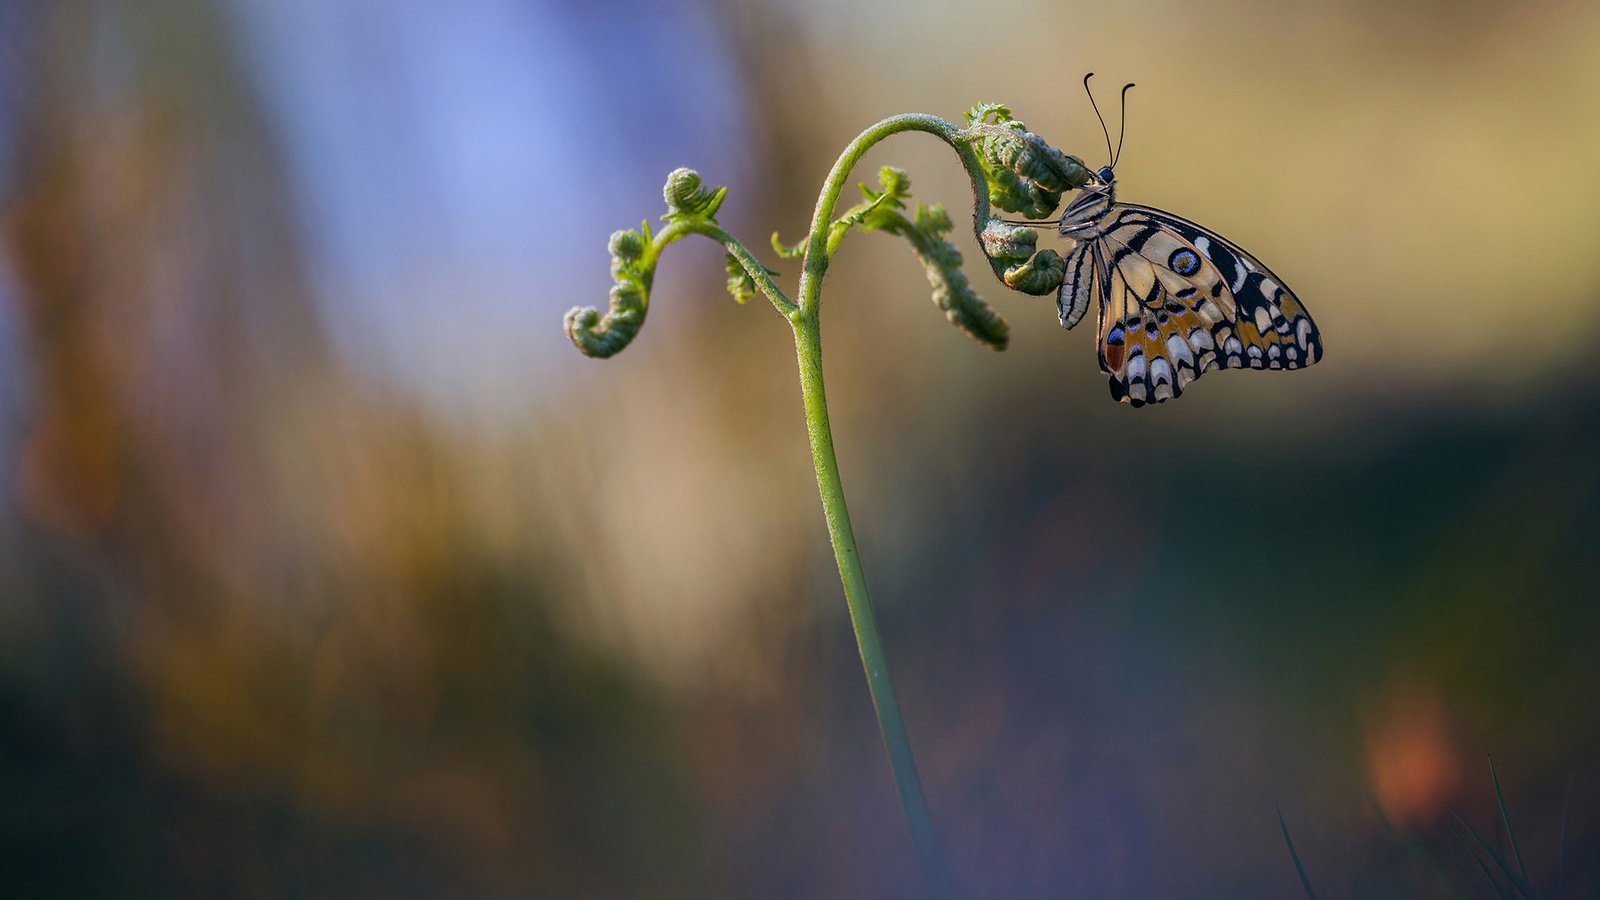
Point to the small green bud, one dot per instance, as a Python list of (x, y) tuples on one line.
[(1007, 243), (602, 336), (682, 186), (686, 197), (581, 318), (1012, 254), (627, 248), (1041, 274), (626, 245), (631, 295)]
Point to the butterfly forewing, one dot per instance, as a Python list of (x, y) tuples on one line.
[(1177, 301)]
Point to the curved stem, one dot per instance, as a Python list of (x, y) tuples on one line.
[(808, 347), (757, 272), (818, 253), (806, 319)]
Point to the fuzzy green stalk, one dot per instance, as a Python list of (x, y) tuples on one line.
[(808, 348), (1027, 174)]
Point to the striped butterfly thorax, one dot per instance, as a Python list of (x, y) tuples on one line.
[(1176, 299)]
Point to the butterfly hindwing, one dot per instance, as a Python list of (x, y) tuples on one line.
[(1177, 301), (1080, 287)]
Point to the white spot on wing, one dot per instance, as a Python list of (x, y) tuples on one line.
[(1178, 349), (1160, 372)]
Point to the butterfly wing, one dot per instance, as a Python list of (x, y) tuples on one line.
[(1081, 285), (1178, 301)]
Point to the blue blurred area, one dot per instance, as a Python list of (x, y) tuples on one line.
[(437, 157), (327, 567)]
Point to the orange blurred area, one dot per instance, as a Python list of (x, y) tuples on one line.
[(329, 567), (1413, 763)]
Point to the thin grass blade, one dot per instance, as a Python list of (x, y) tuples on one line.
[(1304, 881), (1500, 799), (1516, 880), (1505, 892)]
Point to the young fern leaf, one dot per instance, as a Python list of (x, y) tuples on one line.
[(885, 211), (1011, 251), (1026, 175), (1019, 173), (951, 291), (741, 282), (691, 209), (602, 336), (788, 251), (991, 114), (687, 199)]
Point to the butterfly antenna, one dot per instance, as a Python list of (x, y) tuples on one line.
[(1123, 128), (1097, 115)]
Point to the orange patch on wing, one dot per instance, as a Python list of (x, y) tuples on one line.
[(1116, 355), (1246, 329)]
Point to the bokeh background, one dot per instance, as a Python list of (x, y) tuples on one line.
[(328, 567)]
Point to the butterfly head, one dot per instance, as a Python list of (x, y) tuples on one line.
[(1081, 218)]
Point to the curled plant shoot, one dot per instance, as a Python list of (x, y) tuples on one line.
[(1011, 170)]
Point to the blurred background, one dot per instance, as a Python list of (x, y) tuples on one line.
[(329, 568)]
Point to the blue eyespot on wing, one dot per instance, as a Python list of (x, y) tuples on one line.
[(1180, 300)]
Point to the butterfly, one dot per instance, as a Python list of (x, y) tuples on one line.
[(1177, 300)]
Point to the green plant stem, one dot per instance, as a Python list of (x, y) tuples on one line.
[(808, 346), (818, 253), (758, 272), (806, 320)]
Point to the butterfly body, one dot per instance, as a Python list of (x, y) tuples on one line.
[(1176, 300)]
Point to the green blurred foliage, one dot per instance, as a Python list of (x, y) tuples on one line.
[(270, 625)]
